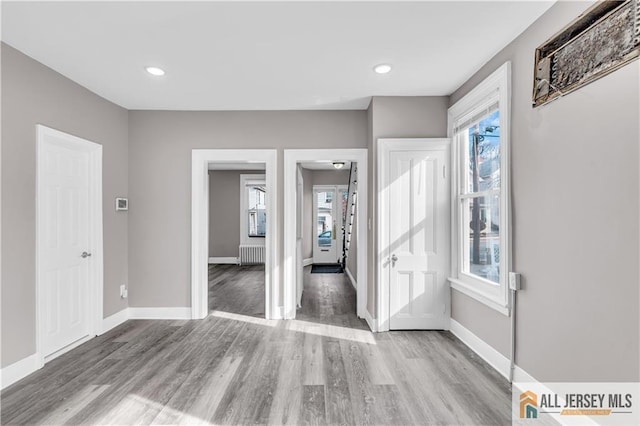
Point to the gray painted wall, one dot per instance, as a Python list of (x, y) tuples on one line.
[(224, 211), (160, 144), (330, 177), (575, 229), (34, 94), (398, 117)]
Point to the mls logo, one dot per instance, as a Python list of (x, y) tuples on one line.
[(528, 405)]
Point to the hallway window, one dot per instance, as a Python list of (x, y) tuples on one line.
[(253, 209), (480, 197), (257, 211), (478, 125)]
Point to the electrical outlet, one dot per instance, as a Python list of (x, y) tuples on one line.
[(514, 281), (123, 291)]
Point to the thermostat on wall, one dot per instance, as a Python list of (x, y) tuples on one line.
[(122, 204)]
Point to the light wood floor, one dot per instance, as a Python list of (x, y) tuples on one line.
[(236, 368)]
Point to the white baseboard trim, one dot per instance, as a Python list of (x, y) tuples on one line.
[(224, 260), (370, 321), (307, 262), (114, 320), (18, 370), (494, 358), (160, 313), (353, 280)]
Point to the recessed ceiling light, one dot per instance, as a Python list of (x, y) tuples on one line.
[(155, 71), (382, 68)]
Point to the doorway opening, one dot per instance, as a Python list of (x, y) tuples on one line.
[(325, 222), (237, 232), (234, 233)]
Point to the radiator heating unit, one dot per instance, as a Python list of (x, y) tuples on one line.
[(251, 255)]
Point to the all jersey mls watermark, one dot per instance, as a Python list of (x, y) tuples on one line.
[(576, 403)]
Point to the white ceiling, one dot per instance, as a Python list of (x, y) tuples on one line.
[(264, 55)]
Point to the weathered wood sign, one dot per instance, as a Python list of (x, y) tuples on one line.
[(601, 40)]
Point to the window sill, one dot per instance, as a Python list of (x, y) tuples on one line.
[(473, 292)]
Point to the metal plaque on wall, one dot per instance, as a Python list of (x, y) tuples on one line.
[(601, 40)]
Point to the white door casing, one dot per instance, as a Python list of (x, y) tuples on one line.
[(299, 234), (415, 238), (200, 160), (68, 242)]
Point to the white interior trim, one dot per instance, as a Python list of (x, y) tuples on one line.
[(384, 148), (200, 160), (307, 262), (496, 86), (224, 261), (291, 159), (96, 266), (494, 358), (466, 288), (19, 370), (373, 325)]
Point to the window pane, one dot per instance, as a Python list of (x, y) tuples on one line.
[(325, 219), (483, 153), (257, 211), (481, 237)]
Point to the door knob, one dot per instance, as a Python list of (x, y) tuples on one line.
[(85, 255), (394, 259)]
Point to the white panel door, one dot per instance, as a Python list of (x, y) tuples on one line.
[(325, 225), (64, 246), (418, 239)]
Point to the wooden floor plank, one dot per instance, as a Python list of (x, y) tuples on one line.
[(339, 407), (287, 400), (312, 360), (313, 408)]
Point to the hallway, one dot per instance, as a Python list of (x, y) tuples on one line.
[(236, 368), (237, 289)]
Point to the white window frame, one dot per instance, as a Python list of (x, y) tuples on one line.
[(497, 85), (245, 181)]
